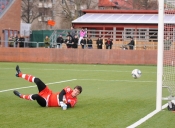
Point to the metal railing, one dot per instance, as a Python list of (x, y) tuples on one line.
[(55, 34), (116, 45), (116, 35), (24, 44)]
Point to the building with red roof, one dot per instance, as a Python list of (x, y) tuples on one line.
[(115, 4), (107, 3), (122, 19), (128, 4), (126, 22)]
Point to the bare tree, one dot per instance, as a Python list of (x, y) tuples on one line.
[(145, 4), (69, 10), (29, 11), (142, 4)]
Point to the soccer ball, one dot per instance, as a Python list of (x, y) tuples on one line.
[(136, 73)]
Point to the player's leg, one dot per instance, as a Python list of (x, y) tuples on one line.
[(41, 86), (41, 101)]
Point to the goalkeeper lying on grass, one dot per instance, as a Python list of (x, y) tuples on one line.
[(67, 98)]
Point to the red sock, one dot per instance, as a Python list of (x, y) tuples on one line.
[(29, 78), (20, 74), (27, 97)]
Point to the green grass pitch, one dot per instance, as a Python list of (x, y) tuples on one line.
[(111, 98)]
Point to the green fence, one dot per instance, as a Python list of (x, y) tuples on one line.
[(39, 35)]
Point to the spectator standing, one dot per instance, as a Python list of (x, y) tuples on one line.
[(16, 41), (99, 43), (82, 35), (131, 44), (11, 41), (83, 43), (68, 42), (72, 32), (89, 42), (75, 42), (68, 34), (60, 40), (167, 44), (109, 43), (21, 41), (47, 42)]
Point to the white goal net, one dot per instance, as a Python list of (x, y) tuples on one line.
[(168, 79)]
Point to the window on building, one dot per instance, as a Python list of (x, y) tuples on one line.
[(142, 34), (114, 8), (145, 34), (11, 33), (92, 32), (15, 33), (102, 8), (128, 33), (153, 35)]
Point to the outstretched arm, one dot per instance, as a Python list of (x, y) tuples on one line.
[(62, 93)]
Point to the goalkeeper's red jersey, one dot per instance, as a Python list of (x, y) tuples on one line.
[(52, 99)]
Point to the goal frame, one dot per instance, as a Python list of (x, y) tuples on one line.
[(160, 55)]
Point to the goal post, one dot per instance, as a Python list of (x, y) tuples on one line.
[(166, 53), (160, 55)]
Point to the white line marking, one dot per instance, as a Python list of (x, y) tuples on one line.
[(35, 85), (142, 120)]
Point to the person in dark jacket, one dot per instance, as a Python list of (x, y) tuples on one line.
[(60, 40), (68, 42), (89, 42), (131, 44), (16, 41), (109, 43), (75, 42), (99, 43), (21, 41), (83, 43)]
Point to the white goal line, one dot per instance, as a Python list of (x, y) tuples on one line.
[(142, 120)]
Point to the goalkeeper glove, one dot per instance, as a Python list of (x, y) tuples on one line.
[(63, 105)]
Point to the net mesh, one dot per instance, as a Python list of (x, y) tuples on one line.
[(169, 48)]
